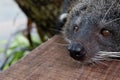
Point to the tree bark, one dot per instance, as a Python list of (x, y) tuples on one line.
[(44, 13)]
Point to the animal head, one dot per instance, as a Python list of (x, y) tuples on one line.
[(92, 30)]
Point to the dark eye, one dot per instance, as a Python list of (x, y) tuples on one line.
[(105, 32), (75, 29)]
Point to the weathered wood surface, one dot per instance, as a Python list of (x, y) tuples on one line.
[(51, 61)]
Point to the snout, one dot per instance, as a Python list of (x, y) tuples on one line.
[(77, 51)]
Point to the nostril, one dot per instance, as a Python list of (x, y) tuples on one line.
[(76, 51)]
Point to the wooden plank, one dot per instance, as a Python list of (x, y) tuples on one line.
[(51, 61)]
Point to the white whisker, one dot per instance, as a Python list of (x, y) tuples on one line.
[(95, 61), (108, 11), (112, 21), (105, 56), (104, 53), (102, 63)]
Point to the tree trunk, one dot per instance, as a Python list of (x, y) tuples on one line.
[(44, 13)]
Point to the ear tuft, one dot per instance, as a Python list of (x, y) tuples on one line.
[(63, 17)]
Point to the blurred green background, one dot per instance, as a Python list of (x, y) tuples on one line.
[(13, 43), (22, 29)]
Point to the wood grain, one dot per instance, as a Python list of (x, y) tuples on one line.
[(51, 61)]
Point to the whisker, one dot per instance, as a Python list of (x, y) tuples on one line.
[(95, 62), (112, 21), (106, 53), (99, 61), (107, 56), (105, 64), (108, 11)]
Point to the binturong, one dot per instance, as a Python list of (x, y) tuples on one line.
[(92, 29)]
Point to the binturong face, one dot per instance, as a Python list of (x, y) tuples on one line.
[(93, 31)]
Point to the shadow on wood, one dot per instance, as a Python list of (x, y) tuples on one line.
[(51, 61)]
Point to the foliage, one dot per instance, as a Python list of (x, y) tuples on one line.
[(18, 45), (17, 49)]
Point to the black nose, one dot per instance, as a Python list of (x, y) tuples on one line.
[(77, 51)]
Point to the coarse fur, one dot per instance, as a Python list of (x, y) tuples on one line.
[(91, 17)]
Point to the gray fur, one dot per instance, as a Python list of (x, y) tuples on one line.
[(91, 16)]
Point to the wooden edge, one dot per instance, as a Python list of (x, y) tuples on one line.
[(51, 61)]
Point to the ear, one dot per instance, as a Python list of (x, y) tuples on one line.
[(63, 17), (61, 20)]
